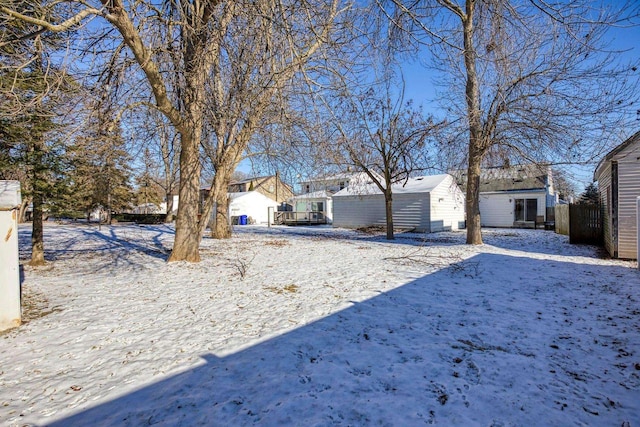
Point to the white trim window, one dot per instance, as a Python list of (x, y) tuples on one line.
[(525, 210)]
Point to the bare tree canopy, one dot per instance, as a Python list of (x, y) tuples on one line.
[(212, 68), (530, 81), (384, 136)]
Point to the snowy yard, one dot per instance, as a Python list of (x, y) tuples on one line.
[(317, 326)]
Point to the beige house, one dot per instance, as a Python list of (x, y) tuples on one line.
[(618, 176), (270, 186)]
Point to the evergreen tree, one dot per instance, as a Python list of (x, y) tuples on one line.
[(31, 85), (100, 168), (590, 195)]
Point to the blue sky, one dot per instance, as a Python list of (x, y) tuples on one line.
[(419, 87)]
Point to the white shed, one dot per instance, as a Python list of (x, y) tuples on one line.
[(253, 204), (618, 176), (425, 204)]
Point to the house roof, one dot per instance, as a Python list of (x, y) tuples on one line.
[(248, 180), (348, 176), (251, 194), (514, 178), (421, 184), (322, 194), (628, 142)]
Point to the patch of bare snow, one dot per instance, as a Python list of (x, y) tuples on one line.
[(321, 326)]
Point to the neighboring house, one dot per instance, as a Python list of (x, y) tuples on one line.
[(424, 204), (270, 186), (174, 206), (317, 193), (517, 196), (333, 183), (618, 176), (316, 202), (253, 204)]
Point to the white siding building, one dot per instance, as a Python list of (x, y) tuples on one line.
[(515, 196), (618, 176), (424, 204), (252, 204)]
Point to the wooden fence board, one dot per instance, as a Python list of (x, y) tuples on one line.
[(585, 224)]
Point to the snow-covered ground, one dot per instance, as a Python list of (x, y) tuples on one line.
[(318, 326)]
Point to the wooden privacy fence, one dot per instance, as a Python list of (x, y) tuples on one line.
[(562, 219), (586, 224)]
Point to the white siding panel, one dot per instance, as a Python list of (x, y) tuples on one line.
[(409, 211), (447, 207), (358, 211), (412, 211), (604, 188), (628, 191), (497, 209), (252, 204)]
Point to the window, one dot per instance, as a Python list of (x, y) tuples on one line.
[(317, 206), (526, 209)]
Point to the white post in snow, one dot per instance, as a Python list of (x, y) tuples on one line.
[(10, 311), (269, 216)]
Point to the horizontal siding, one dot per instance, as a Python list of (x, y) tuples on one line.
[(497, 209), (358, 211), (604, 183), (447, 207), (628, 192), (412, 211), (409, 211)]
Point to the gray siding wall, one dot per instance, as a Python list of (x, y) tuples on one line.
[(409, 211), (604, 188), (628, 191)]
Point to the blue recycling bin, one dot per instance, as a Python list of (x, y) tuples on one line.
[(242, 220)]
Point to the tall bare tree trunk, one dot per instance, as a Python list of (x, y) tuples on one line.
[(476, 151), (474, 228), (222, 228), (187, 240), (388, 203)]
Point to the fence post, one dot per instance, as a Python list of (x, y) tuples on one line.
[(10, 310)]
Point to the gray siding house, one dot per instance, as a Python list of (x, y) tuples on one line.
[(618, 176), (424, 204)]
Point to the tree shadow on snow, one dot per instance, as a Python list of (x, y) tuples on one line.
[(119, 241), (494, 339), (526, 240)]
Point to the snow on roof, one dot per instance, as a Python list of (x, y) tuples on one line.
[(322, 194), (421, 184), (513, 178), (234, 196)]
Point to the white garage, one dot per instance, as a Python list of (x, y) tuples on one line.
[(424, 204)]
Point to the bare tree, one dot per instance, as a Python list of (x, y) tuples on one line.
[(201, 34), (532, 81), (385, 137), (248, 82)]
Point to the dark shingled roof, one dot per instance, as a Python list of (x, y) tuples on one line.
[(514, 178)]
